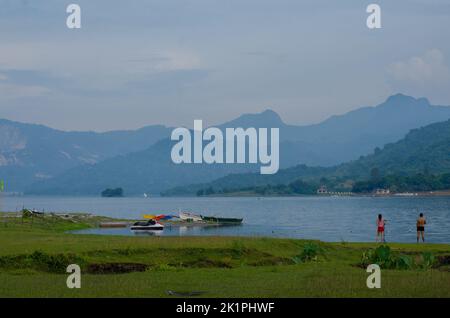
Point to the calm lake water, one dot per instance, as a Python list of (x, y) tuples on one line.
[(324, 218)]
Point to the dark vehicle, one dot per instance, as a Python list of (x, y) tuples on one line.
[(150, 225)]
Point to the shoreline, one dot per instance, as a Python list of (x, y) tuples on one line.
[(445, 193), (80, 222), (34, 257), (440, 193)]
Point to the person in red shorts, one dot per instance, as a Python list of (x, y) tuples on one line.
[(381, 223)]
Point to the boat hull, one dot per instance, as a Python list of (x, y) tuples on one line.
[(150, 225), (147, 228), (212, 219)]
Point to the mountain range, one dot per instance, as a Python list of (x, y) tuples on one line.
[(31, 153), (41, 160), (424, 150)]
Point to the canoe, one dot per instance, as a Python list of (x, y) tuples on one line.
[(213, 219)]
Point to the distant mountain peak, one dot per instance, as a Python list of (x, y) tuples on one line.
[(269, 112), (267, 118), (271, 115), (402, 99)]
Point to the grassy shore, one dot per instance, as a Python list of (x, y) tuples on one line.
[(34, 253)]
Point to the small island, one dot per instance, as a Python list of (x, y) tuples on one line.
[(112, 193)]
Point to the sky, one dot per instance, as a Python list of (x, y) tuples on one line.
[(140, 62)]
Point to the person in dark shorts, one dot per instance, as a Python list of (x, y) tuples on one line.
[(421, 227)]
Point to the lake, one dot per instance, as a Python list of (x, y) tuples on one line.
[(331, 219)]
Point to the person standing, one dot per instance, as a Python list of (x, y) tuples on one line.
[(421, 221), (381, 224)]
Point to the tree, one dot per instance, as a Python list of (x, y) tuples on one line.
[(375, 173), (109, 193), (209, 191)]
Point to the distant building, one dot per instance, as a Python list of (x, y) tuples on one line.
[(322, 190), (382, 191)]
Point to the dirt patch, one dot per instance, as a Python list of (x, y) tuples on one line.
[(204, 263), (117, 261), (272, 261), (443, 260), (116, 268)]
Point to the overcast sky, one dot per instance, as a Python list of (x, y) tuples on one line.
[(135, 63)]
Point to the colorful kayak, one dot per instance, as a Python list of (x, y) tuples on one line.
[(161, 217)]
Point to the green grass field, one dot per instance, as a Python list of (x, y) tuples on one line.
[(34, 254)]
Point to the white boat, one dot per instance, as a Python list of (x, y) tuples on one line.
[(190, 217), (150, 225)]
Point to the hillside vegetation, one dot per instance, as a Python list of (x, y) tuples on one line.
[(418, 162)]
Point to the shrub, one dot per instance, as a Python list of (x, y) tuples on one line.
[(385, 258), (428, 260), (404, 262), (39, 260), (310, 252)]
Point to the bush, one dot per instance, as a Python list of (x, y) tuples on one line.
[(428, 260), (310, 252), (404, 262), (110, 193), (38, 260), (384, 257)]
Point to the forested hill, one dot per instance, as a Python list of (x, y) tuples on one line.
[(423, 151)]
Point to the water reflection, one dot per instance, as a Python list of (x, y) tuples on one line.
[(144, 233)]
